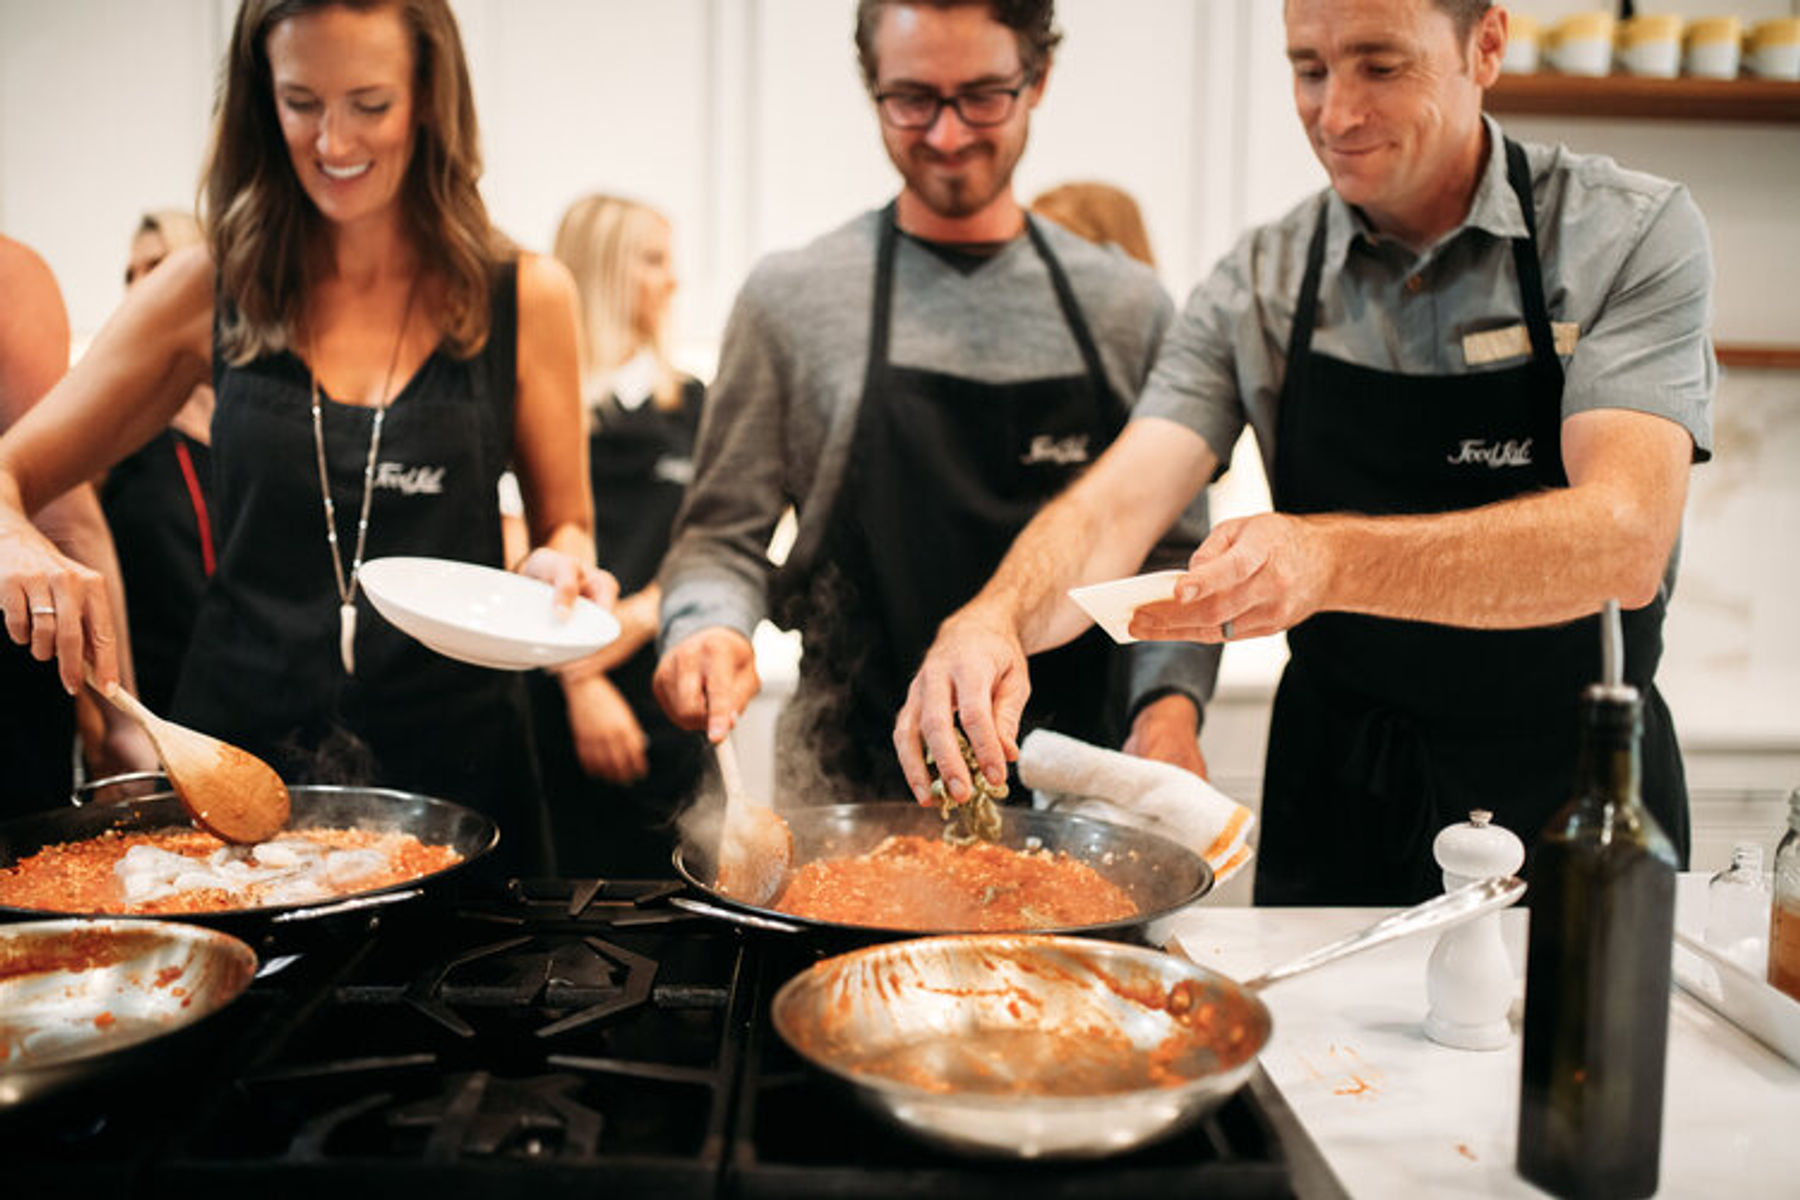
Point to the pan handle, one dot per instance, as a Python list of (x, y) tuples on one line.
[(152, 781), (727, 914), (1451, 908), (378, 900)]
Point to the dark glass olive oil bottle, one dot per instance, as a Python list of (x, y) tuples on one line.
[(1602, 894)]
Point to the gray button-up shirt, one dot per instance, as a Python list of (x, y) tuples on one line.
[(1625, 262)]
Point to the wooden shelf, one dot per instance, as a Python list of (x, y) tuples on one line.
[(1766, 358), (1760, 101)]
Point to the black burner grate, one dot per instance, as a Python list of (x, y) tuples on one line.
[(559, 1038), (809, 1138)]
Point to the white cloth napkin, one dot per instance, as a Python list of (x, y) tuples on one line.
[(1077, 777)]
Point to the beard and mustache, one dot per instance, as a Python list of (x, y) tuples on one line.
[(961, 184)]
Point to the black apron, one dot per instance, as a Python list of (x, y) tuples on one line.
[(640, 461), (264, 670), (1385, 731), (942, 475), (37, 733), (158, 506)]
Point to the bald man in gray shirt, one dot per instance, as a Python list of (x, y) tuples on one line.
[(1479, 373)]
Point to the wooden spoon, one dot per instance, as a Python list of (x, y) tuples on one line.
[(228, 792), (755, 844)]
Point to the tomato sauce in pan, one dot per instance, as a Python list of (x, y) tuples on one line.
[(916, 883)]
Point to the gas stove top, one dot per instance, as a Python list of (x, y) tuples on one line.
[(554, 1038)]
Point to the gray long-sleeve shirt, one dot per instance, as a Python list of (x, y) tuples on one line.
[(782, 408)]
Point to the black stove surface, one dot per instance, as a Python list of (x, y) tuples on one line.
[(562, 1038)]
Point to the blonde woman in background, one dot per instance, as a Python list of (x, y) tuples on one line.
[(1099, 212), (158, 502), (615, 768)]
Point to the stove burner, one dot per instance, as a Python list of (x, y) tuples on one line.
[(591, 975), (583, 894), (559, 1038), (475, 1115)]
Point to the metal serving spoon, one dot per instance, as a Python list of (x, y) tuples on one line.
[(228, 792)]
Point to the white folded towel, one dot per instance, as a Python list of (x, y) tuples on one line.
[(1076, 777)]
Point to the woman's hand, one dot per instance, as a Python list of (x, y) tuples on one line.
[(570, 577), (637, 615), (608, 739), (54, 605)]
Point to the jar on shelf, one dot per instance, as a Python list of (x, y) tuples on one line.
[(1784, 924)]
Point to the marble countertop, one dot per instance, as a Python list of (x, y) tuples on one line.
[(1396, 1114)]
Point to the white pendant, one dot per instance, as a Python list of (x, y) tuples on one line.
[(347, 637)]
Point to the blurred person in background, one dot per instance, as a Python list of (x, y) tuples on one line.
[(37, 734), (615, 767), (1099, 212), (916, 383), (158, 503), (379, 354)]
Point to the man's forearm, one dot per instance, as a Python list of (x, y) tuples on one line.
[(1534, 560), (1049, 555)]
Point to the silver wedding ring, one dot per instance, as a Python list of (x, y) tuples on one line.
[(1225, 631), (43, 610)]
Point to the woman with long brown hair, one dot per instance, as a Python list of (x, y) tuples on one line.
[(379, 355)]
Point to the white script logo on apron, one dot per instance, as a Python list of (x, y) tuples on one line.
[(1061, 451), (410, 481), (1510, 453), (670, 469)]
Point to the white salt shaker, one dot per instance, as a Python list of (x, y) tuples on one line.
[(1469, 980)]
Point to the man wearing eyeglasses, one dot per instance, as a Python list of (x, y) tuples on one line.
[(916, 383), (1478, 373)]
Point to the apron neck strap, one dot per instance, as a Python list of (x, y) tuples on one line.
[(1531, 276), (1071, 308), (1306, 307), (881, 322), (880, 325)]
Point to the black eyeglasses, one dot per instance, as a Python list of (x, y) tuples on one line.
[(979, 108)]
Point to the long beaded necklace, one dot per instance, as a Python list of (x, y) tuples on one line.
[(346, 586)]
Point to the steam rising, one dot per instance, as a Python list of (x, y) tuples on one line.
[(339, 758), (816, 748)]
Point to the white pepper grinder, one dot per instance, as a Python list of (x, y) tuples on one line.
[(1469, 981)]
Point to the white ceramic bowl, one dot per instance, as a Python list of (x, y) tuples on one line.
[(1776, 61), (1712, 60), (483, 615), (1521, 56), (1652, 59), (1583, 55)]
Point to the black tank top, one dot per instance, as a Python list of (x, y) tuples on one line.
[(158, 504), (264, 670)]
